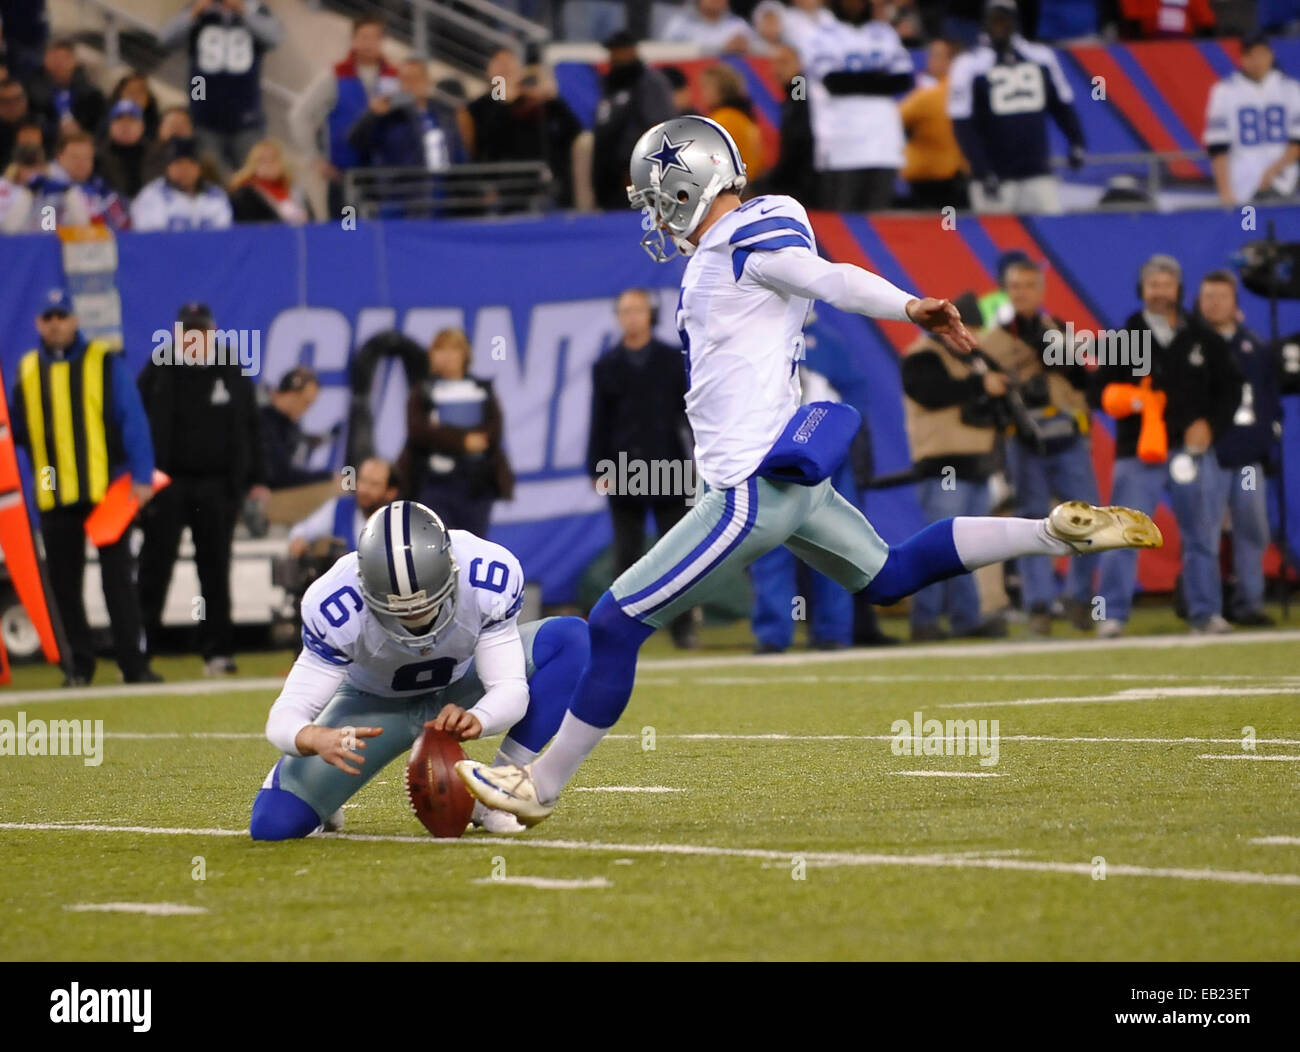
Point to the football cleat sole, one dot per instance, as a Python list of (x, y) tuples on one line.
[(1087, 528)]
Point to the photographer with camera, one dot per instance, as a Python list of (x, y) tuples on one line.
[(1050, 457), (408, 127), (953, 404)]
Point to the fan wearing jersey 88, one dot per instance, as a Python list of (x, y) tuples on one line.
[(1252, 128), (418, 627)]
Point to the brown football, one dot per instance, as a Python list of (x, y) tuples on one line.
[(434, 789)]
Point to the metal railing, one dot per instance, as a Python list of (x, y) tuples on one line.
[(461, 190), (462, 33)]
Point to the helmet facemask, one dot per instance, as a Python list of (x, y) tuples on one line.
[(395, 613), (664, 220)]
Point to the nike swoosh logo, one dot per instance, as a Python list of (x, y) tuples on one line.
[(764, 211)]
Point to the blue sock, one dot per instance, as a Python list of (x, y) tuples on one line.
[(606, 686), (922, 559), (560, 652), (280, 815)]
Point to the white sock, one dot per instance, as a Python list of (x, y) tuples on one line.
[(512, 752), (572, 744), (985, 540)]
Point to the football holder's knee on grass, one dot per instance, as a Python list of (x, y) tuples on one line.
[(607, 685), (922, 559), (279, 815), (561, 650)]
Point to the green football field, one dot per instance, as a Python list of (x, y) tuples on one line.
[(745, 808)]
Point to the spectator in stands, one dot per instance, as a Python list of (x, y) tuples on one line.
[(63, 93), (711, 26), (134, 87), (263, 190), (24, 29), (856, 65), (104, 437), (634, 97), (1247, 449), (768, 20), (1252, 128), (952, 422), (203, 419), (681, 88), (342, 517), (793, 171), (28, 167), (454, 435), (121, 155), (723, 98), (288, 447), (226, 40), (335, 102), (81, 195), (181, 199), (1192, 375), (933, 163), (1166, 18), (408, 128), (175, 123), (999, 97), (15, 205), (15, 113), (520, 118), (1053, 462), (638, 424)]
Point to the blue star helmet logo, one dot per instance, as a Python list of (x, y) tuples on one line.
[(668, 156)]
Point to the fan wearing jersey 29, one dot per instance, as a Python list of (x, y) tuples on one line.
[(418, 627)]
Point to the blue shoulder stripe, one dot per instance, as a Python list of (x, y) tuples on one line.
[(317, 645), (763, 226), (741, 255)]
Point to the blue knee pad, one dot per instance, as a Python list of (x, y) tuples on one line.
[(561, 650), (280, 815), (922, 559), (606, 687)]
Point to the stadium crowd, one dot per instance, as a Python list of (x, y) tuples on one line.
[(853, 135), (850, 139)]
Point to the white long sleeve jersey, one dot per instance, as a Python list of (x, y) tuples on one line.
[(744, 300), (1256, 121), (342, 641)]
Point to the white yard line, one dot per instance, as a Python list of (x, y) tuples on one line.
[(1135, 694), (869, 655), (948, 774), (625, 789), (549, 883), (772, 737), (1244, 756), (832, 858), (1277, 841), (153, 909), (1009, 677), (966, 651)]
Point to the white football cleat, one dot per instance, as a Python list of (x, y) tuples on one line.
[(506, 788), (1087, 528), (334, 824), (502, 823)]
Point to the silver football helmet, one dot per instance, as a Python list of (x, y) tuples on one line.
[(408, 573), (678, 168)]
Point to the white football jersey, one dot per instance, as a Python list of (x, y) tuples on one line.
[(742, 341), (339, 629), (850, 131), (1255, 120), (160, 206)]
